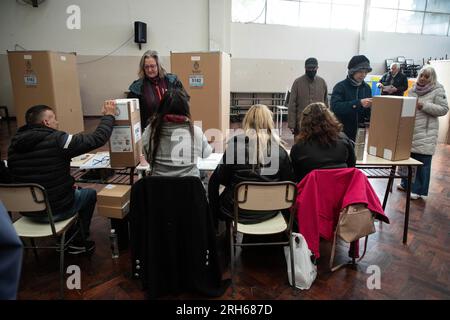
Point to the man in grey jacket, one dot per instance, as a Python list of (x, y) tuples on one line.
[(306, 89)]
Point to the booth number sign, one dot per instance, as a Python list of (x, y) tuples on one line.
[(196, 80), (30, 79)]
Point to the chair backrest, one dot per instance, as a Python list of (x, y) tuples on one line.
[(171, 228), (28, 197), (261, 196)]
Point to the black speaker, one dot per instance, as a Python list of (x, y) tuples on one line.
[(140, 32)]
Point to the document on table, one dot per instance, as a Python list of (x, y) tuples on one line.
[(210, 163), (99, 160), (80, 160)]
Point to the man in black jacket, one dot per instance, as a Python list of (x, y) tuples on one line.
[(394, 82), (40, 153)]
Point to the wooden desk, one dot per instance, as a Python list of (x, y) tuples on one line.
[(379, 168), (372, 166), (100, 160)]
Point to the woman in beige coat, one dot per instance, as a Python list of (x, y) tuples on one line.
[(432, 103)]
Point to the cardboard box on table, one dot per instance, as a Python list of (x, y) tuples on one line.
[(125, 144), (113, 201), (391, 127), (48, 78), (206, 77)]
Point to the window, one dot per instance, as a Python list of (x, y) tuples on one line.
[(410, 16), (382, 20), (409, 21), (305, 13), (247, 11), (435, 23), (404, 16), (282, 12), (315, 14)]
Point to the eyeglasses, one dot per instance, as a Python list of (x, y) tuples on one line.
[(104, 160), (151, 66)]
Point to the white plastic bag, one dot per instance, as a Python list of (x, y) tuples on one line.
[(305, 269)]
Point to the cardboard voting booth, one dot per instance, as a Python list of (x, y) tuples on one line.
[(391, 127), (206, 77), (48, 78), (125, 144)]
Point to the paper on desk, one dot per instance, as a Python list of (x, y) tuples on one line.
[(210, 163), (100, 160), (80, 160)]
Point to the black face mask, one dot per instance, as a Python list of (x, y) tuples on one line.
[(311, 74)]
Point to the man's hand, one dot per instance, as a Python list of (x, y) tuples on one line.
[(366, 103), (419, 106), (109, 108)]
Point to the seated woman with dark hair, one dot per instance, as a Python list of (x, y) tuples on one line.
[(322, 144), (171, 143)]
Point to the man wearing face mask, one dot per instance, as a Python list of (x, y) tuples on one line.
[(306, 89), (352, 97)]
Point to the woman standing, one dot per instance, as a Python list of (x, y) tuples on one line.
[(153, 82), (431, 104)]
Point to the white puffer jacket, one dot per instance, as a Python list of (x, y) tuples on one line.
[(426, 127)]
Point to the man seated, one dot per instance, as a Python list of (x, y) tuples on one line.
[(394, 82), (40, 153)]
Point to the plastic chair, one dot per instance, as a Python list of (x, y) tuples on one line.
[(23, 198), (263, 196)]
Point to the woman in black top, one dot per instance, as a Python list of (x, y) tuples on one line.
[(257, 154), (322, 144)]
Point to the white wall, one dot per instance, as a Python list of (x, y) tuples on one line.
[(382, 45), (270, 57), (275, 54), (172, 25), (105, 25)]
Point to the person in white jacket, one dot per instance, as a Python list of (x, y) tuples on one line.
[(431, 104)]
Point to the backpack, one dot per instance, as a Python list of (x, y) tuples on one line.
[(355, 221)]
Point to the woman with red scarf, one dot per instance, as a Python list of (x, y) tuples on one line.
[(153, 82)]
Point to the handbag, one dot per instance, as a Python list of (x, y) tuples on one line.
[(355, 221), (304, 268)]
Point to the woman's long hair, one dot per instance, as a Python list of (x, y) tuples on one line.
[(151, 54), (258, 124), (174, 101), (427, 69), (318, 123)]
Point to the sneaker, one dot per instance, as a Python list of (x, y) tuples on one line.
[(77, 247), (400, 187), (414, 196)]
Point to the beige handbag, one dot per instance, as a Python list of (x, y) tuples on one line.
[(355, 222)]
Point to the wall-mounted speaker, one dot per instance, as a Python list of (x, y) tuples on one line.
[(140, 33)]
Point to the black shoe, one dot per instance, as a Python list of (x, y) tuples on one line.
[(78, 246)]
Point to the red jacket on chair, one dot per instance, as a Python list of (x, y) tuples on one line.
[(323, 193)]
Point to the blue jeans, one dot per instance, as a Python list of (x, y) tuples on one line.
[(421, 184), (84, 204)]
